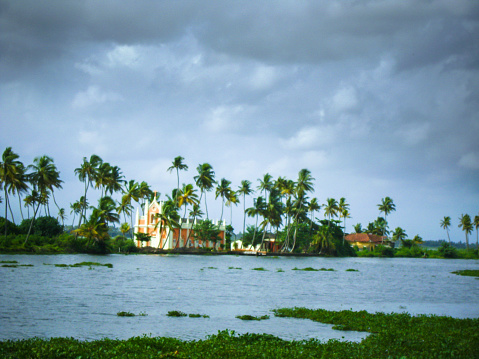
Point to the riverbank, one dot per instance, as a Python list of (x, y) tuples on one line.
[(391, 335)]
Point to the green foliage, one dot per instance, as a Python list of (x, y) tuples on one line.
[(352, 270), (125, 314), (206, 231), (12, 228), (259, 269), (121, 244), (448, 251), (176, 313), (198, 316), (467, 272), (143, 237), (252, 317)]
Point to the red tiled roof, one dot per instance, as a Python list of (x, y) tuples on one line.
[(364, 238)]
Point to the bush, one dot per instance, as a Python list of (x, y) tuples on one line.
[(43, 226), (12, 228), (447, 251)]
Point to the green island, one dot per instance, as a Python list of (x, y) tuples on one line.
[(391, 336)]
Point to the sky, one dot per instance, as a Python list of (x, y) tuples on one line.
[(375, 98)]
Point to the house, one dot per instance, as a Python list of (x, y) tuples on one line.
[(269, 244), (169, 239), (364, 240)]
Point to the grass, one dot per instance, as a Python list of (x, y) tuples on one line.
[(252, 317), (395, 335), (467, 272)]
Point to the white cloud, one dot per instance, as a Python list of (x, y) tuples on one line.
[(123, 55), (94, 96)]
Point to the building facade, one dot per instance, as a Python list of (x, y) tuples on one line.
[(165, 238)]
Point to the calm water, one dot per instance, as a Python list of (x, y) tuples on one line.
[(48, 301)]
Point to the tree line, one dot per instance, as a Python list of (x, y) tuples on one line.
[(282, 207)]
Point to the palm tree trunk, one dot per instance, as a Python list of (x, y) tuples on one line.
[(11, 213), (20, 205), (6, 209), (31, 224), (206, 207)]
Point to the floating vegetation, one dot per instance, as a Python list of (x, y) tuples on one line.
[(198, 316), (142, 314), (396, 335), (235, 268), (208, 268), (252, 317), (16, 265), (259, 268), (307, 269), (176, 313), (11, 262), (279, 270), (125, 314), (467, 272), (352, 270), (82, 264), (341, 327)]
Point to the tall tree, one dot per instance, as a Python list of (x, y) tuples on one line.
[(115, 180), (257, 210), (272, 214), (11, 176), (331, 209), (231, 199), (244, 190), (445, 224), (466, 225), (222, 190), (87, 173), (131, 193), (205, 181), (177, 165), (44, 178), (343, 207), (399, 234), (265, 185), (476, 224), (187, 196), (62, 216), (108, 213), (386, 206)]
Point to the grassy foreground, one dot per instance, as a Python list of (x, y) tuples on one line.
[(392, 336)]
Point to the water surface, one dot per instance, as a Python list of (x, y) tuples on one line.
[(48, 301)]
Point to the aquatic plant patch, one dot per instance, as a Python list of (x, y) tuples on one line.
[(235, 268), (467, 272), (81, 264), (125, 314), (193, 315), (16, 265), (9, 262), (176, 313), (352, 270), (259, 268), (252, 317), (310, 269)]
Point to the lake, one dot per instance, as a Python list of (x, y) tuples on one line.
[(48, 301)]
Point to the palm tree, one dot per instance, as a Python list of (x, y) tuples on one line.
[(103, 176), (205, 181), (231, 199), (272, 214), (466, 225), (345, 214), (386, 206), (331, 209), (75, 209), (62, 216), (476, 224), (312, 207), (358, 228), (222, 190), (177, 165), (399, 234), (94, 230), (11, 177), (115, 180), (245, 190), (265, 184), (167, 217), (87, 173), (446, 223), (194, 213), (108, 213), (343, 207), (323, 239), (258, 209), (131, 193), (144, 193), (124, 228), (44, 178), (187, 196)]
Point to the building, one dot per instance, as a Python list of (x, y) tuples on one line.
[(169, 239), (365, 240)]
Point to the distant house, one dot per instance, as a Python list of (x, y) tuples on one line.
[(364, 240), (169, 239), (269, 244)]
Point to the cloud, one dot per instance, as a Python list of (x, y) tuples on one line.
[(94, 96)]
